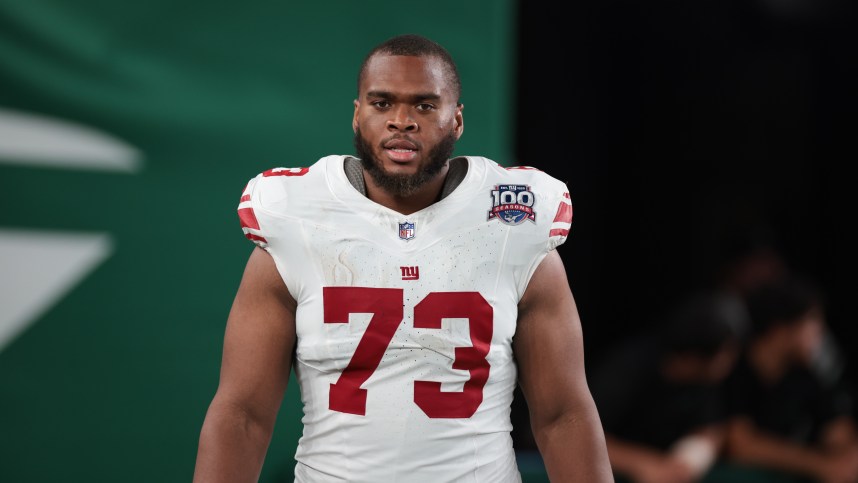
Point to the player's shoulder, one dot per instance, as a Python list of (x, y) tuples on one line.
[(277, 185), (536, 178), (521, 193)]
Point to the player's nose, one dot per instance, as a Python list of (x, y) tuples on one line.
[(401, 120)]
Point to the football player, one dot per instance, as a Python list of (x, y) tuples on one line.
[(411, 292)]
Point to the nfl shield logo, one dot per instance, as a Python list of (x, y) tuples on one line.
[(406, 231)]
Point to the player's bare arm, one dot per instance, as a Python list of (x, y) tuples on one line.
[(549, 349), (257, 352)]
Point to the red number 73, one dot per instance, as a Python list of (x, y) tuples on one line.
[(386, 307)]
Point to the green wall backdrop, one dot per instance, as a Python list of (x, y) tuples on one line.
[(127, 133)]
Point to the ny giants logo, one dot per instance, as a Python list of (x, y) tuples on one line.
[(410, 273), (512, 204)]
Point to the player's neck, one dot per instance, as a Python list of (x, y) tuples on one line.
[(426, 195)]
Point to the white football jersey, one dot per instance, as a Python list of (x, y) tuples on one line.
[(405, 322)]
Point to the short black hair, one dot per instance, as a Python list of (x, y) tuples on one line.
[(703, 323), (782, 302), (416, 46)]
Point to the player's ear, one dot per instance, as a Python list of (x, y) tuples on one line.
[(460, 121), (355, 117)]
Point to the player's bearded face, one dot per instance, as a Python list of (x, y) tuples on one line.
[(402, 184)]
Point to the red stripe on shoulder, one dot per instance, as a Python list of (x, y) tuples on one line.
[(564, 213), (524, 168), (251, 236), (559, 231), (248, 218), (244, 198)]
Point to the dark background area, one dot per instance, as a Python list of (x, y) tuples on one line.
[(682, 127)]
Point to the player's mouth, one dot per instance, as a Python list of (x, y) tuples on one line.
[(401, 150)]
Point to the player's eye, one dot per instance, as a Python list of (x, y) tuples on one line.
[(425, 107), (381, 104)]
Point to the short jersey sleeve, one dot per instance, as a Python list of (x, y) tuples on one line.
[(551, 212), (246, 215), (562, 220)]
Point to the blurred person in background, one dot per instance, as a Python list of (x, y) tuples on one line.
[(659, 394), (753, 260), (790, 414), (750, 260), (747, 261)]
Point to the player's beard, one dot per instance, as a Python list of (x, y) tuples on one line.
[(403, 185)]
